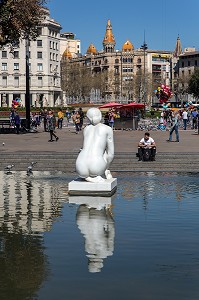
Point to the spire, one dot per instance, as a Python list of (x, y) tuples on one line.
[(109, 40), (178, 48)]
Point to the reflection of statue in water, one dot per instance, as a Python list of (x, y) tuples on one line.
[(97, 226), (98, 149)]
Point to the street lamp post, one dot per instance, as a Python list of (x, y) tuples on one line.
[(27, 95), (144, 48), (121, 80)]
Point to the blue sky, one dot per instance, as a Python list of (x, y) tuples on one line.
[(161, 21)]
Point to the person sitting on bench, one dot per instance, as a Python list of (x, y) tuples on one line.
[(146, 148)]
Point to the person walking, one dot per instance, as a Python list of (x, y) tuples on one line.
[(176, 118), (51, 126), (76, 120), (60, 119), (44, 116), (194, 116), (68, 115), (106, 119), (185, 118), (81, 113), (111, 118), (12, 117), (17, 120)]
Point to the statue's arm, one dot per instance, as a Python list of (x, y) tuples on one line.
[(110, 147)]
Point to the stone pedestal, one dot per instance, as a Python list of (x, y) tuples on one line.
[(82, 187)]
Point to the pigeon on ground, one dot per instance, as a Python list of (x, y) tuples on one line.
[(29, 170), (9, 167)]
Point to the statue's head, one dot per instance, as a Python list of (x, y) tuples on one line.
[(94, 115)]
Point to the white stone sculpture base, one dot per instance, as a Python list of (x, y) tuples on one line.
[(82, 187)]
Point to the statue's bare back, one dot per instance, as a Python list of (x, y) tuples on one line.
[(98, 149)]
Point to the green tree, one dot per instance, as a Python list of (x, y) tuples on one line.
[(20, 19), (193, 84)]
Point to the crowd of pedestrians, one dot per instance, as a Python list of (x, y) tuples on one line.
[(187, 117), (182, 118), (49, 119)]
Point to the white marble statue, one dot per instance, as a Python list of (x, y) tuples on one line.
[(98, 149)]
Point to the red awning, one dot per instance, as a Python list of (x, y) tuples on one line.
[(111, 104), (134, 105)]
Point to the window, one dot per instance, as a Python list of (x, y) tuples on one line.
[(50, 45), (4, 67), (51, 68), (189, 63), (16, 81), (196, 62), (40, 81), (39, 43), (16, 54), (39, 67), (4, 54), (16, 66), (39, 30), (4, 81), (39, 54)]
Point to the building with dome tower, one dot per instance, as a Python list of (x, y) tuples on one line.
[(121, 72)]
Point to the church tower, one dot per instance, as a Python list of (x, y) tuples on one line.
[(109, 40), (178, 48)]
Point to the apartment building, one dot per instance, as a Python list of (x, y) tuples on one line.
[(44, 68), (68, 41)]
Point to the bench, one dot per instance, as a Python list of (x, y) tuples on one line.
[(5, 126)]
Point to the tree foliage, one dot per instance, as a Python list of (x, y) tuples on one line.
[(77, 81), (193, 85), (20, 19)]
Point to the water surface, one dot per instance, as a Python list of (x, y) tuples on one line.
[(142, 243)]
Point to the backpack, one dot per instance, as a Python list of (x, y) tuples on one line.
[(146, 154)]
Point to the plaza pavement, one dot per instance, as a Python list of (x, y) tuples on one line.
[(124, 140), (23, 148)]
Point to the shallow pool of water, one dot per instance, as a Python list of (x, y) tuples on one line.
[(142, 243)]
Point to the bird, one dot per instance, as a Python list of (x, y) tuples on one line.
[(9, 167), (29, 170)]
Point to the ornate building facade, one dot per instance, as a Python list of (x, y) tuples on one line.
[(126, 75)]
